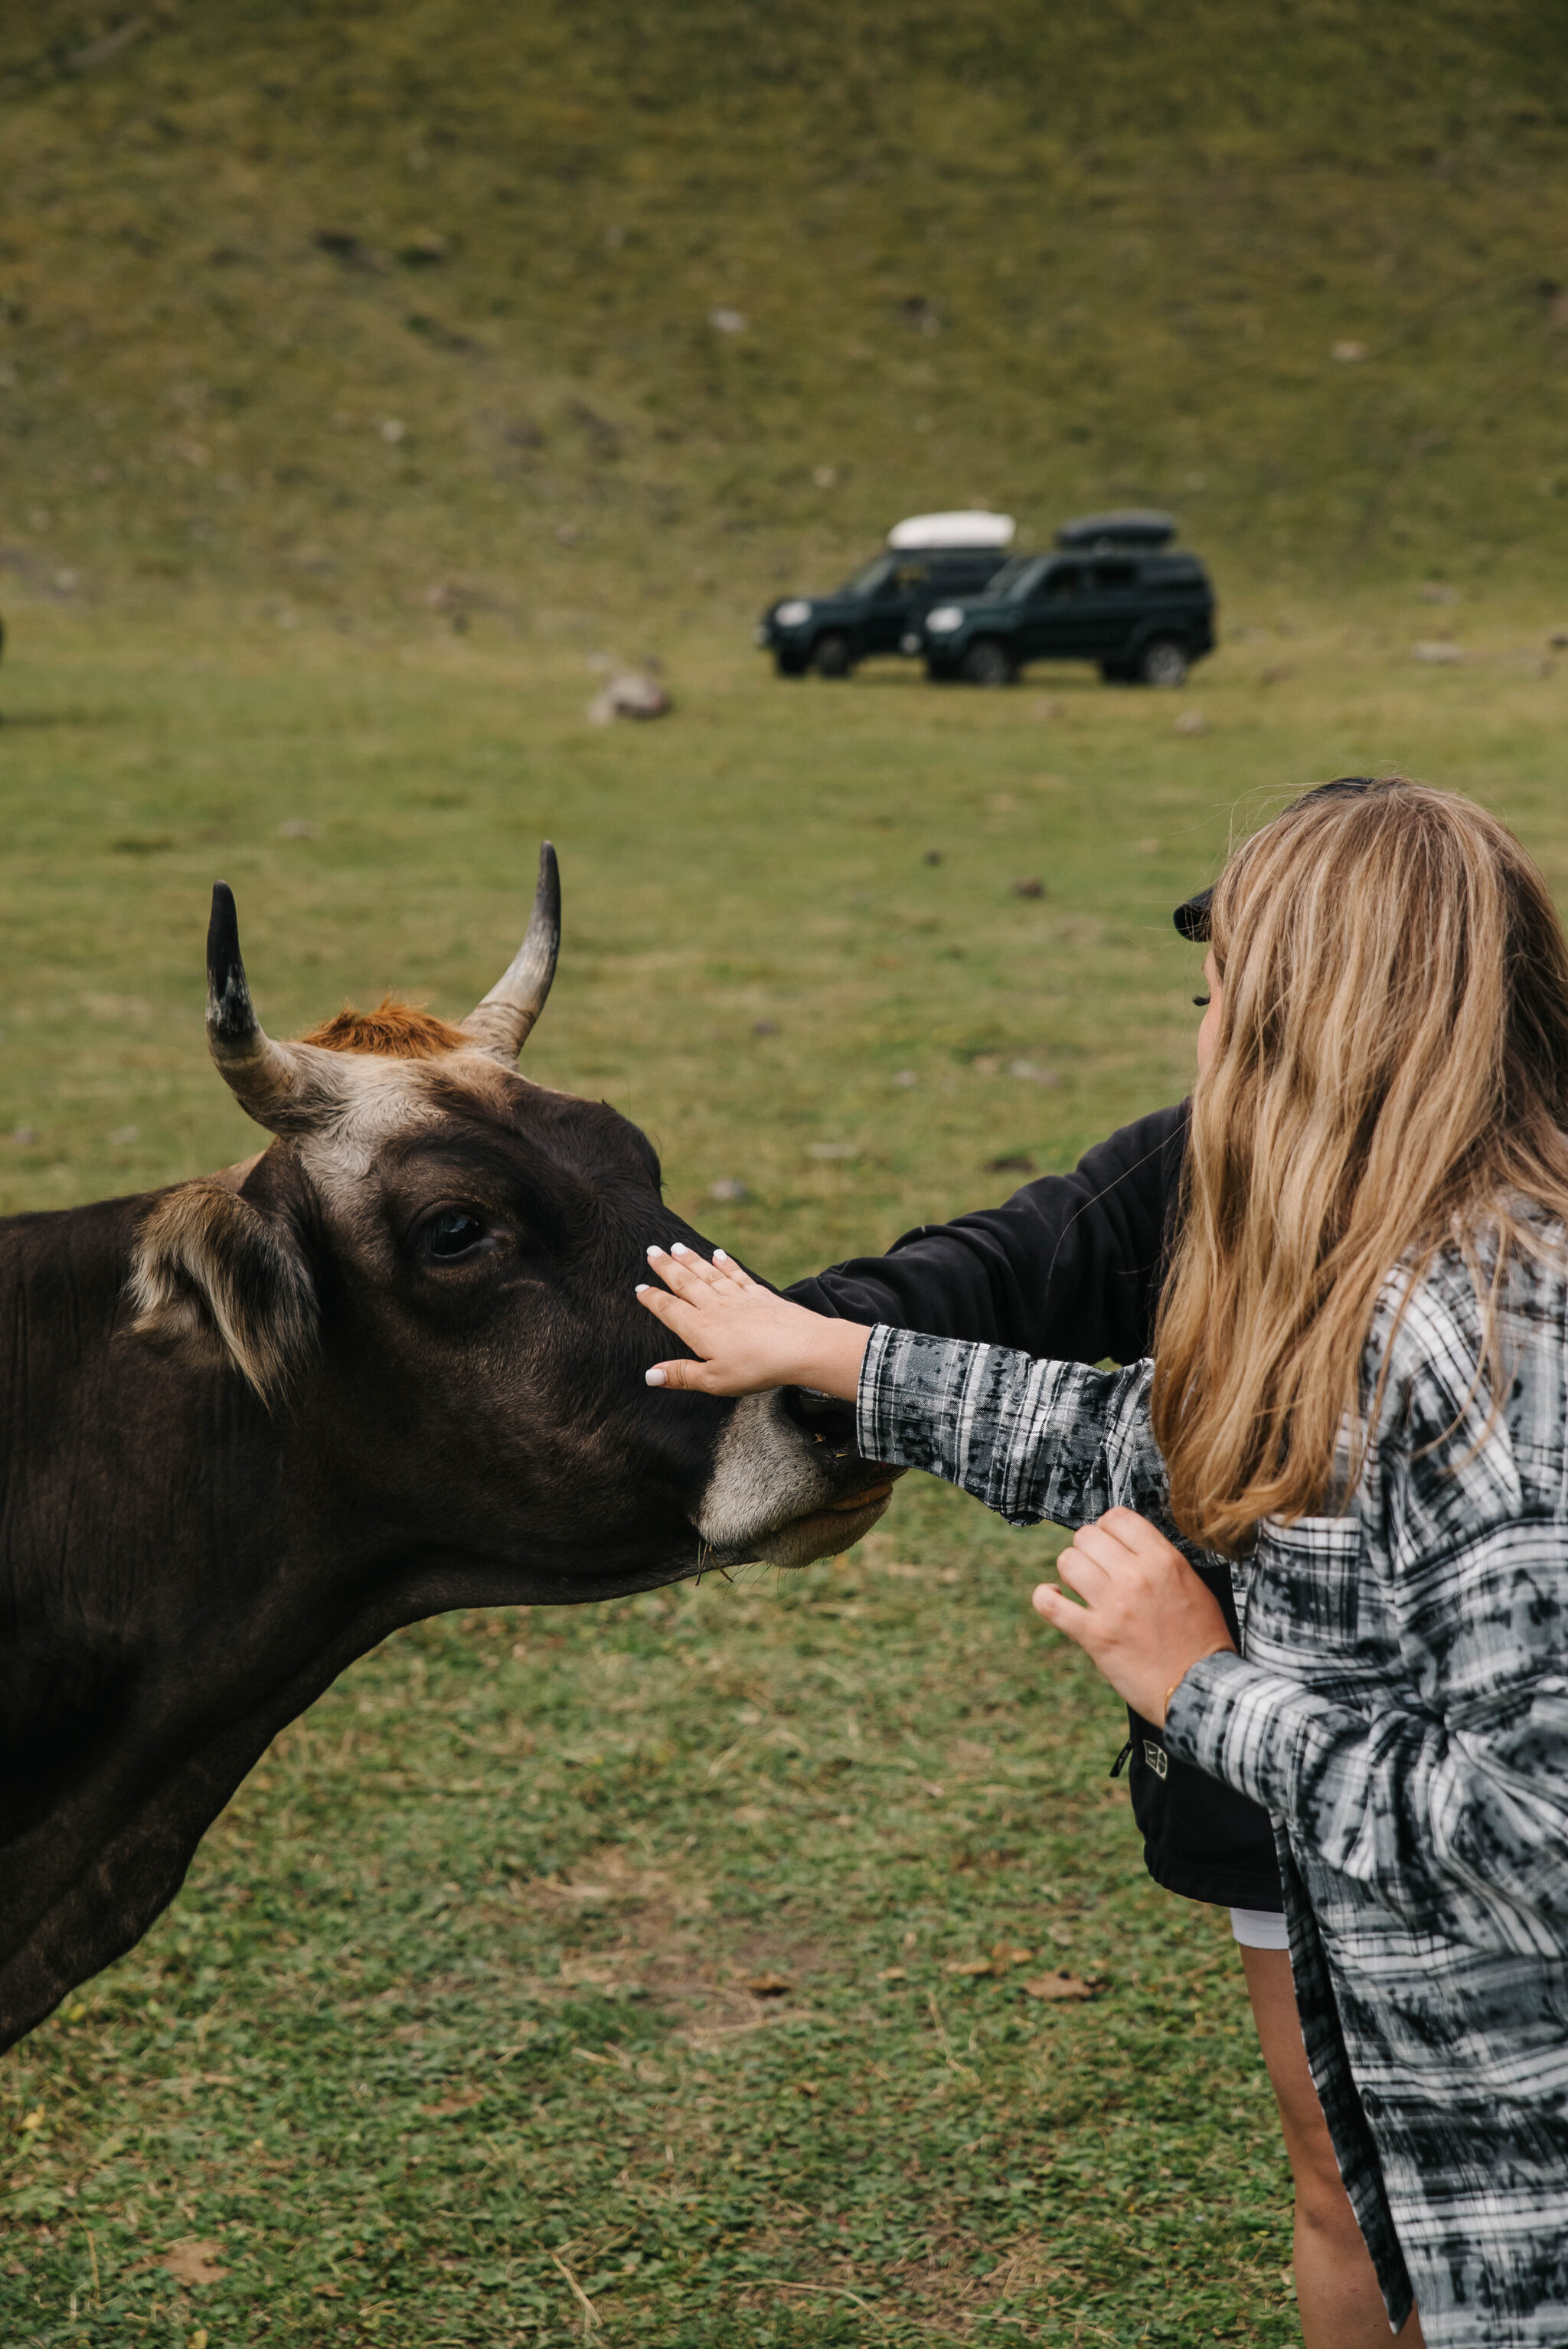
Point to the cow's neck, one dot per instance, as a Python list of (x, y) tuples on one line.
[(172, 1590)]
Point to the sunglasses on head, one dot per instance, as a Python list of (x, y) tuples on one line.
[(1191, 916)]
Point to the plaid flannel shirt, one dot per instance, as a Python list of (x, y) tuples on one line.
[(1401, 1708)]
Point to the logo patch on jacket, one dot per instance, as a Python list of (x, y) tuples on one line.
[(1158, 1761)]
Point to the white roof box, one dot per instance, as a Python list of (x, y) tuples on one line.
[(952, 529)]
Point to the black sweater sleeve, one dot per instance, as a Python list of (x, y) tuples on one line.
[(1068, 1269)]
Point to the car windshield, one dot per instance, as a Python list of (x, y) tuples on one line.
[(867, 580), (1014, 569), (1017, 576)]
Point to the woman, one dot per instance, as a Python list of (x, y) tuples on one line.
[(1070, 1267), (1359, 1393)]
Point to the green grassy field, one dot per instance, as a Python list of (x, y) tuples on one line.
[(451, 2024), (359, 392)]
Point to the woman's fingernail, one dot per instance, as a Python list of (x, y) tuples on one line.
[(680, 1248), (656, 1377), (642, 1288), (655, 1249), (719, 1256)]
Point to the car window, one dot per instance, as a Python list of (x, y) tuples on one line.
[(907, 577), (1062, 580), (1113, 578), (1016, 576), (866, 581)]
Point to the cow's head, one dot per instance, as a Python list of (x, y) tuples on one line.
[(431, 1269)]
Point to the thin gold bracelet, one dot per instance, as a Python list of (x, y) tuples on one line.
[(1169, 1695)]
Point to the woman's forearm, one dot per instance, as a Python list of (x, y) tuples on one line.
[(1462, 1834), (1030, 1439)]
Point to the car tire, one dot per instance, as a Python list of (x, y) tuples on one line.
[(789, 663), (986, 662), (832, 655), (1163, 663)]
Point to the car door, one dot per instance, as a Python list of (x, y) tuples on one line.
[(887, 616), (1109, 609), (948, 577), (1054, 623)]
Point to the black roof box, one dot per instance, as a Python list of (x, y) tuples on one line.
[(1138, 527)]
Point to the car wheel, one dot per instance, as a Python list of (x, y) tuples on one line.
[(1163, 663), (988, 663), (830, 655), (789, 663)]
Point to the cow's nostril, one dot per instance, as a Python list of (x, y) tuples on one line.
[(822, 1417)]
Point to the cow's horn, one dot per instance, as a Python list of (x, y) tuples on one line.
[(262, 1076), (501, 1024)]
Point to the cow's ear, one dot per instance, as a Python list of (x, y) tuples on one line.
[(226, 1282)]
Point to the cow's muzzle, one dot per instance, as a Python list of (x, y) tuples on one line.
[(788, 1484)]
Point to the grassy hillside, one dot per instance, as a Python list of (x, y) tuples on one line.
[(409, 306)]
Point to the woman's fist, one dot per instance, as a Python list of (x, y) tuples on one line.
[(1146, 1616)]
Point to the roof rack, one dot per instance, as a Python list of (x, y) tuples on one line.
[(952, 529), (1138, 526)]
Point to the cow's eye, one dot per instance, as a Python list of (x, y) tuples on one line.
[(451, 1234)]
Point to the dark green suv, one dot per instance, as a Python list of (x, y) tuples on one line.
[(1112, 594), (929, 559)]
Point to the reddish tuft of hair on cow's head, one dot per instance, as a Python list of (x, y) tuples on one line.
[(402, 1031)]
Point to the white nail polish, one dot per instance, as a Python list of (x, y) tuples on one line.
[(719, 1256), (680, 1248), (642, 1288), (656, 1250), (656, 1377)]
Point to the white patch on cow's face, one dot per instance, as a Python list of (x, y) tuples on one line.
[(775, 1495), (379, 1099)]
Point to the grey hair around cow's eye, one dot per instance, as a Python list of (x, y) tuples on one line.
[(453, 1232)]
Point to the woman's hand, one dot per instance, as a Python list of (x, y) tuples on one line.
[(1146, 1618), (745, 1337)]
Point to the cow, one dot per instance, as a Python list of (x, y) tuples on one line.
[(255, 1422)]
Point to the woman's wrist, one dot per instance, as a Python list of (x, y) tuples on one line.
[(834, 1359), (1222, 1647)]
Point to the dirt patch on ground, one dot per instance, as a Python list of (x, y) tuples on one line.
[(938, 2291), (657, 1945)]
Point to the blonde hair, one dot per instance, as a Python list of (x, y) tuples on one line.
[(1391, 1071)]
